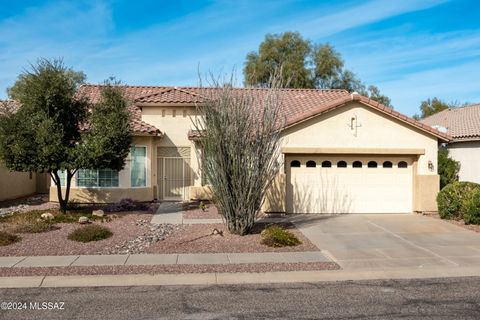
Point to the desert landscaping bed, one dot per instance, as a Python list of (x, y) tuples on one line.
[(198, 238), (460, 223), (157, 269), (125, 227), (133, 233)]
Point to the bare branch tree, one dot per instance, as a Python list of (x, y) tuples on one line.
[(240, 134)]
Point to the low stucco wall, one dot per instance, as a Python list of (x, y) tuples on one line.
[(426, 190), (16, 184), (105, 195)]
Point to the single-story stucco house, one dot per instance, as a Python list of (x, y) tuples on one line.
[(342, 153), (463, 125)]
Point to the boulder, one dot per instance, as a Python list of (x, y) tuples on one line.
[(83, 220), (98, 213), (47, 216)]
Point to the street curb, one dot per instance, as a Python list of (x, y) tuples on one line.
[(231, 278)]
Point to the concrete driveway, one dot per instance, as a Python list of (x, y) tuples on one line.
[(381, 241)]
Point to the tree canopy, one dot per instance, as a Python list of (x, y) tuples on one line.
[(431, 106), (58, 131), (304, 65)]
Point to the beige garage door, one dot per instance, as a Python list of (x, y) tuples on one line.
[(341, 184)]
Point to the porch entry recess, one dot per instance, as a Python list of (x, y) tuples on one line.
[(174, 173)]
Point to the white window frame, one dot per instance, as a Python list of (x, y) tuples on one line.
[(98, 177)]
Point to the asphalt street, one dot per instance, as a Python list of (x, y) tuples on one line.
[(448, 298)]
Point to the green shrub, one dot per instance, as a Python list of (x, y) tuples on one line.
[(277, 236), (34, 227), (90, 233), (8, 238), (452, 199), (447, 168), (471, 214)]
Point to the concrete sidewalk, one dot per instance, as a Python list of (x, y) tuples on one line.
[(162, 259), (231, 278)]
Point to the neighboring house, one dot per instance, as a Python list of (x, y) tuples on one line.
[(463, 125), (342, 152), (19, 184)]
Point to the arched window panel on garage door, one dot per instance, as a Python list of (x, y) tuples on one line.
[(387, 164), (372, 164), (295, 164), (341, 164), (357, 164), (326, 164), (402, 164), (311, 164)]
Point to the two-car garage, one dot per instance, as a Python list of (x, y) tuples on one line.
[(343, 183)]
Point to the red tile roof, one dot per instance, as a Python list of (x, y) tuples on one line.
[(463, 124), (139, 126), (298, 104)]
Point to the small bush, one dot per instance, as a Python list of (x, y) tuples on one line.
[(127, 205), (452, 199), (8, 238), (34, 227), (472, 208), (90, 233), (277, 236)]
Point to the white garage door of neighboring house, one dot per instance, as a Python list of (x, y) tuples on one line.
[(349, 184)]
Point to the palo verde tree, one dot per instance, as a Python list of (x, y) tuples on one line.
[(57, 130), (304, 65), (240, 132)]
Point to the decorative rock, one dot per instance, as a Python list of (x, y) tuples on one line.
[(152, 234), (83, 220), (98, 213), (47, 216)]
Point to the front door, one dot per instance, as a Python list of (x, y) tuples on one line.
[(174, 177)]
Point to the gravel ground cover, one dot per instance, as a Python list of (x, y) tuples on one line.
[(133, 233), (460, 223), (156, 269), (198, 238), (125, 228), (35, 202), (196, 213)]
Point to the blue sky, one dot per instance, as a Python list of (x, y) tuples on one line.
[(411, 50)]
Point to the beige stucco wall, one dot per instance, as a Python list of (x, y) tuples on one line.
[(376, 130), (426, 189), (124, 190), (104, 195), (468, 154), (175, 122), (275, 196), (16, 184)]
